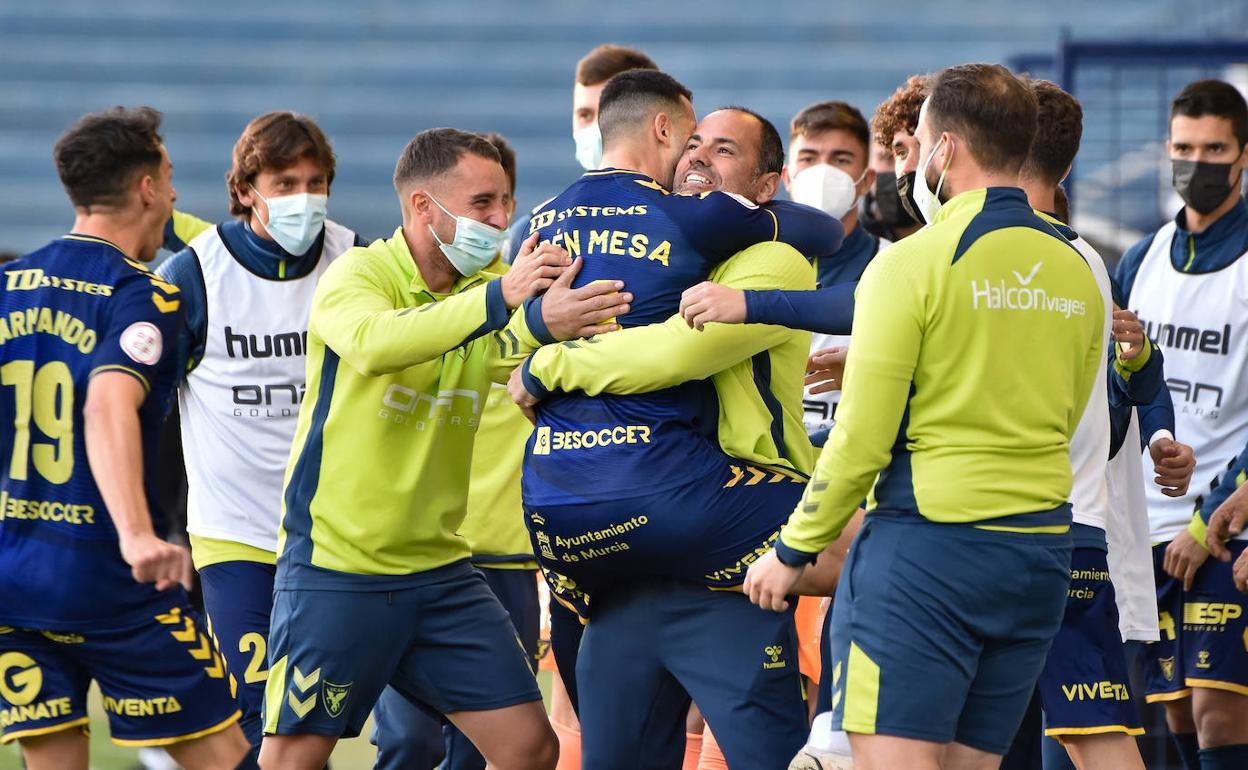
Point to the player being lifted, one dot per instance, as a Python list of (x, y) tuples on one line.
[(87, 368), (661, 359), (625, 225)]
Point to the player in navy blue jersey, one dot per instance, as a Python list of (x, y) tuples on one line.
[(626, 226), (630, 492), (92, 590)]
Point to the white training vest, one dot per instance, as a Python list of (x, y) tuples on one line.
[(818, 409), (1089, 447), (1130, 552), (239, 405), (1095, 479), (1200, 320)]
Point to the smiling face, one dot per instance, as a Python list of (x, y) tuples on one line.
[(724, 153)]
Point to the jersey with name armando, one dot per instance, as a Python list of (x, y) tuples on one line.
[(73, 309), (627, 227)]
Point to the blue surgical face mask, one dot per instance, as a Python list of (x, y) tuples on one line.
[(588, 146), (295, 220), (475, 244)]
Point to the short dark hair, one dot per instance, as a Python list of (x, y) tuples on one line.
[(100, 155), (831, 116), (276, 141), (608, 60), (506, 156), (770, 148), (990, 108), (1217, 98), (435, 151), (1059, 128), (899, 112), (635, 95)]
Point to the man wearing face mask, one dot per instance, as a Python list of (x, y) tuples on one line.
[(373, 587), (893, 126), (1187, 282), (828, 168), (592, 73), (883, 214), (956, 583), (248, 286)]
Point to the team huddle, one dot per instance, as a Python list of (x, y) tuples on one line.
[(872, 477)]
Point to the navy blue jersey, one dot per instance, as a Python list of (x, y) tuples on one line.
[(75, 307), (627, 227)]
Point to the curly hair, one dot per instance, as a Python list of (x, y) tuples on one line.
[(900, 112)]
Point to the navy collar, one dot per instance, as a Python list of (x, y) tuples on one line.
[(1230, 224)]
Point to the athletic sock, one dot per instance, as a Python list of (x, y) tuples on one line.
[(1189, 749), (1233, 757), (712, 755), (693, 751)]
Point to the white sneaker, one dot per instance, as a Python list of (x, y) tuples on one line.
[(813, 759)]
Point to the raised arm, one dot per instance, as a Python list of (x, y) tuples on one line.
[(667, 354)]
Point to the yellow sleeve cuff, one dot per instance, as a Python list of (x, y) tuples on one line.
[(1128, 368), (1198, 529)]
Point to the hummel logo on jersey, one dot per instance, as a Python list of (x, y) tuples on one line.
[(774, 651), (998, 296), (266, 345), (1215, 341)]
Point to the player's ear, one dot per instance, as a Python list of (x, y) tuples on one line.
[(866, 183), (1066, 173), (147, 190), (768, 186), (663, 127), (421, 206), (788, 181), (244, 195)]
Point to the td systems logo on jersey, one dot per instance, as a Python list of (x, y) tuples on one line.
[(277, 399)]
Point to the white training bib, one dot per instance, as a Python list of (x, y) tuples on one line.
[(240, 403), (819, 409), (1089, 446), (1130, 552), (1096, 493), (1200, 320)]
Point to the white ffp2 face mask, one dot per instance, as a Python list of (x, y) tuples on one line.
[(588, 146), (826, 188), (928, 201), (295, 220)]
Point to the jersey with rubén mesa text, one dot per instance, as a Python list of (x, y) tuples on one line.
[(68, 311), (627, 227)]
